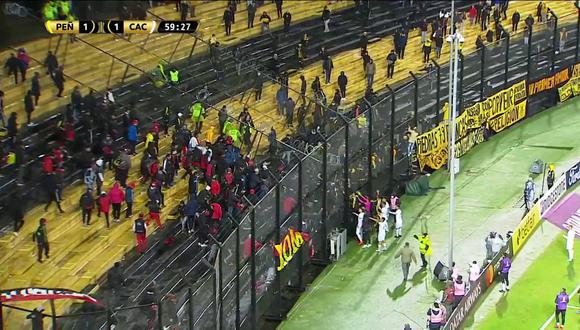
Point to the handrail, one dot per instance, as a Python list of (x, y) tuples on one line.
[(183, 93)]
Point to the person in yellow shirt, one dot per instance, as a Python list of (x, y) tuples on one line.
[(412, 135), (424, 248)]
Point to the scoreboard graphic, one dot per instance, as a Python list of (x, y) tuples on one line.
[(120, 27)]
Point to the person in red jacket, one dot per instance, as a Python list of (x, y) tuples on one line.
[(216, 212), (58, 155), (104, 206), (117, 197), (215, 187), (229, 177), (47, 165)]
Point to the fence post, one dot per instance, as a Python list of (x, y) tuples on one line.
[(392, 158), (159, 315), (175, 49), (482, 74), (346, 215), (108, 323), (53, 314), (577, 33), (110, 72), (253, 321), (415, 99), (370, 148), (300, 286), (461, 67), (529, 68), (237, 273), (278, 283), (554, 41), (324, 201), (507, 56), (438, 93), (192, 48), (190, 316), (215, 301)]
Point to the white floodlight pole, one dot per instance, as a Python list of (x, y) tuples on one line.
[(453, 66)]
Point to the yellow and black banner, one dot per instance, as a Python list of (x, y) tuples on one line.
[(508, 118), (549, 83), (473, 138), (497, 112), (572, 87)]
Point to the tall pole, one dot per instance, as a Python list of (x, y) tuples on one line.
[(453, 57)]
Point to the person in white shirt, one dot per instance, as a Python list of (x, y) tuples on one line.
[(398, 223), (360, 220)]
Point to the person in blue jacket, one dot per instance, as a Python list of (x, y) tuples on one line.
[(132, 136)]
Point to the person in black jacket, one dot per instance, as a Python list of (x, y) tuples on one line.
[(342, 82), (228, 21), (58, 78), (35, 87), (13, 66), (303, 88), (258, 85), (515, 21), (251, 15), (279, 7), (51, 63), (12, 127), (14, 208), (327, 67), (391, 59), (87, 204), (115, 278), (489, 36), (287, 20), (28, 106), (41, 238), (52, 188), (478, 43), (364, 40)]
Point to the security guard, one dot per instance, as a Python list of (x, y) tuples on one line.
[(426, 50), (436, 316), (551, 176), (161, 68), (174, 76), (197, 115), (50, 11), (424, 248)]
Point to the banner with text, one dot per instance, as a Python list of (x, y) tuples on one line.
[(498, 112)]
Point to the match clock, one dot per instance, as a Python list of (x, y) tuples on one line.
[(177, 27)]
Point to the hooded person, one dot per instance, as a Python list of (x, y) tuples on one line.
[(99, 174), (104, 206)]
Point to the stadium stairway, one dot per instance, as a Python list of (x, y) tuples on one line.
[(67, 233), (97, 71)]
